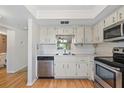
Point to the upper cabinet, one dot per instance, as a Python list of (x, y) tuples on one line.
[(48, 36), (113, 18), (78, 35), (64, 31), (98, 32), (121, 14), (88, 34)]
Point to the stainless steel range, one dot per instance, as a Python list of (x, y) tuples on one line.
[(109, 71)]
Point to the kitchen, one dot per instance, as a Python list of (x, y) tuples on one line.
[(68, 46)]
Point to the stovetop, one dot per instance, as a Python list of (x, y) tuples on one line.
[(110, 61)]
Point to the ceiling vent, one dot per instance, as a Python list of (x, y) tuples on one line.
[(64, 22)]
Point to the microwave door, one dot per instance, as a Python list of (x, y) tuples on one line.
[(113, 32)]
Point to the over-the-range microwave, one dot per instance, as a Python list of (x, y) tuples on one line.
[(114, 32)]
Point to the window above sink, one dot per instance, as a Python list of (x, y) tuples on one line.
[(64, 42)]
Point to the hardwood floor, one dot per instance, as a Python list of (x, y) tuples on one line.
[(18, 80)]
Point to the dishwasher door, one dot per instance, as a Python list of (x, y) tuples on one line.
[(45, 68)]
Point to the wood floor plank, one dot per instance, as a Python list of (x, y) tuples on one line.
[(18, 80)]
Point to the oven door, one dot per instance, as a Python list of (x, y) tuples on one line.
[(113, 33), (107, 76)]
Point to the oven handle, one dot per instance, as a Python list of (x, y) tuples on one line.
[(108, 67)]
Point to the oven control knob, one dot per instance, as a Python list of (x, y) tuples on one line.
[(117, 49)]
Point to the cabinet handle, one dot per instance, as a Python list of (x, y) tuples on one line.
[(120, 15), (113, 19)]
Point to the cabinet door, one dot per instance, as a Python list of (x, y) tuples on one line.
[(100, 32), (82, 69), (79, 35), (43, 36), (60, 31), (113, 18), (106, 21), (52, 35), (121, 14), (91, 70), (95, 34), (68, 31), (60, 69), (71, 69), (88, 35)]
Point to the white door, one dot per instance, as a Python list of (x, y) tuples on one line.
[(88, 35)]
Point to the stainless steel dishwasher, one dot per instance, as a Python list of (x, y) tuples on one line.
[(45, 66)]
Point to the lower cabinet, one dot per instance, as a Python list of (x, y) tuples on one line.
[(72, 70), (64, 69), (82, 69)]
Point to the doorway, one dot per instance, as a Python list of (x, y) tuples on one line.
[(3, 50)]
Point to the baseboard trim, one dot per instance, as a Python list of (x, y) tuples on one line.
[(17, 69)]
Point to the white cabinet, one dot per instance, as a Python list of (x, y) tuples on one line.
[(64, 31), (71, 67), (63, 69), (106, 22), (91, 70), (43, 36), (121, 14), (113, 18), (78, 35), (98, 32), (59, 69), (52, 35), (68, 31), (95, 34), (88, 35), (48, 36), (82, 69)]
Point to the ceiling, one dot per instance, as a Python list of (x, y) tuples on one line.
[(65, 11), (75, 14), (17, 15)]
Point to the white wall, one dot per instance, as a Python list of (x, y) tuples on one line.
[(33, 40), (16, 50), (3, 30), (105, 49)]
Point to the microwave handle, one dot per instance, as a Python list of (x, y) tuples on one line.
[(122, 34)]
